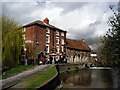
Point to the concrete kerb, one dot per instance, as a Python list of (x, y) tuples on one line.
[(48, 80), (11, 81)]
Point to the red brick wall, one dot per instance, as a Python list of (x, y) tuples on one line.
[(40, 37), (38, 33), (29, 34), (51, 39), (60, 45)]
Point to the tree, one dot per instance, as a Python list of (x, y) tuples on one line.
[(11, 42), (0, 41), (111, 41)]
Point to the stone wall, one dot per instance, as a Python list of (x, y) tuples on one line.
[(68, 67)]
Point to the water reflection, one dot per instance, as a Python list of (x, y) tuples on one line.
[(88, 79)]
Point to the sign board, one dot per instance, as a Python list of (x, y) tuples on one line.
[(93, 55)]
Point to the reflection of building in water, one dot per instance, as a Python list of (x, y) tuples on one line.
[(102, 79), (90, 79), (82, 78)]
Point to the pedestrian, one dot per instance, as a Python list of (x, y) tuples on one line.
[(51, 59), (43, 60)]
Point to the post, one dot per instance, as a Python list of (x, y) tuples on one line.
[(25, 56)]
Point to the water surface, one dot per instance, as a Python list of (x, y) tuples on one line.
[(89, 78)]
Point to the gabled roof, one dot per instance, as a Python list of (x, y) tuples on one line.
[(77, 44), (41, 23)]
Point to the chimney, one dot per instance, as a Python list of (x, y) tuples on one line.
[(46, 20), (83, 40)]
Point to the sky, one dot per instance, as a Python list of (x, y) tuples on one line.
[(82, 20)]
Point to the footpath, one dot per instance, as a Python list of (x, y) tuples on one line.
[(11, 81)]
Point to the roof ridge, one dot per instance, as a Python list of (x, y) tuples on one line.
[(42, 23), (74, 39)]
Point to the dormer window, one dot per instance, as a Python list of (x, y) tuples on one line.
[(57, 33), (47, 30)]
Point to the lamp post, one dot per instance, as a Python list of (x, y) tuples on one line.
[(25, 56), (36, 45)]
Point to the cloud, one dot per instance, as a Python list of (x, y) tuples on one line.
[(21, 11), (70, 6), (80, 19)]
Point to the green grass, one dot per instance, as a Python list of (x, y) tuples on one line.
[(38, 79), (16, 70)]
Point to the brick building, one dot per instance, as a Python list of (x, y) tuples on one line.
[(77, 50), (42, 36)]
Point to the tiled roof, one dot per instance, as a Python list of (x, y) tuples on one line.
[(77, 44), (38, 22)]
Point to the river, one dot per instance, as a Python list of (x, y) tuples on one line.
[(88, 78)]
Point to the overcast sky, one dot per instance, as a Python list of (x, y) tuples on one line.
[(80, 19)]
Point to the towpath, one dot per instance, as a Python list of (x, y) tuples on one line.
[(11, 81)]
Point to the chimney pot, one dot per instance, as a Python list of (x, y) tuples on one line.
[(83, 40), (46, 20)]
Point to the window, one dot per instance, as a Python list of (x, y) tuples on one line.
[(23, 36), (57, 48), (57, 40), (47, 30), (62, 33), (47, 38), (62, 41), (24, 30), (47, 48), (57, 33), (62, 48)]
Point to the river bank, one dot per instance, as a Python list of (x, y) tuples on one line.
[(13, 80), (39, 79)]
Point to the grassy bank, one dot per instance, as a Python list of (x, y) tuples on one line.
[(16, 70), (38, 79)]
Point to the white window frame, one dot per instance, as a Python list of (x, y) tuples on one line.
[(57, 38), (24, 30), (62, 34), (48, 39), (23, 36), (48, 48), (58, 49), (57, 32), (63, 41), (62, 48), (47, 30)]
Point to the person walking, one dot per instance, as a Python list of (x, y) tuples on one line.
[(43, 60), (53, 61)]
